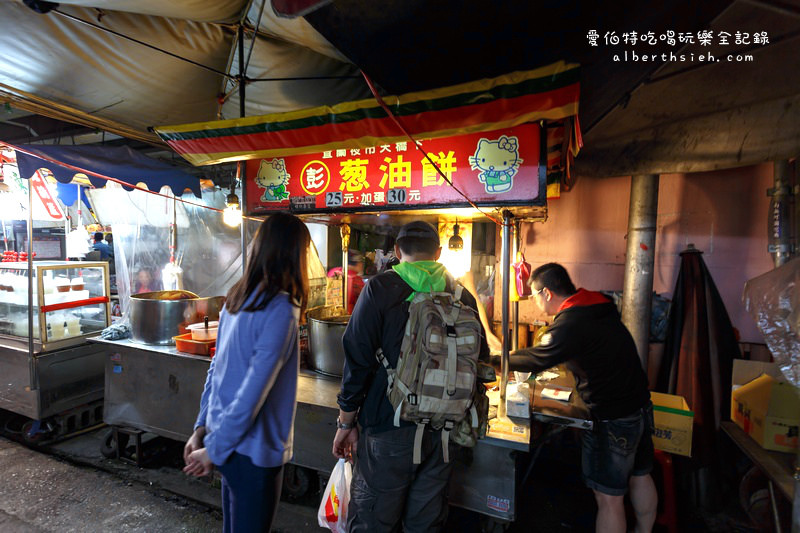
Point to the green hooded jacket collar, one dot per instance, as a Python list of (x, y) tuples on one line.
[(423, 276)]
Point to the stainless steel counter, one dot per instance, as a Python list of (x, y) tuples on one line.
[(152, 388), (44, 384), (158, 389), (170, 350)]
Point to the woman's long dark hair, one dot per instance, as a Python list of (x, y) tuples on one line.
[(276, 262)]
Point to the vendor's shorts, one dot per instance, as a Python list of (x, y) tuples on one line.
[(617, 449)]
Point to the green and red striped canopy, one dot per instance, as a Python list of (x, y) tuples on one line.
[(546, 93)]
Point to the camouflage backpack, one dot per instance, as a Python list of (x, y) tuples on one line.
[(434, 383)]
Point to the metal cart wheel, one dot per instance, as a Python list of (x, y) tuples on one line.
[(108, 446), (296, 481), (33, 432)]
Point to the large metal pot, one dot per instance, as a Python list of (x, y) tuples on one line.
[(325, 330), (156, 321)]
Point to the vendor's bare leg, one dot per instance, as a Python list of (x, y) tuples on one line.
[(644, 499), (610, 513)]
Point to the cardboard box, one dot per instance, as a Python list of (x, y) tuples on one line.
[(673, 424), (765, 406)]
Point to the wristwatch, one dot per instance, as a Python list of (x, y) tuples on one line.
[(341, 425)]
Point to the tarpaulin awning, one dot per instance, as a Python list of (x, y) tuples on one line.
[(550, 92), (120, 163), (68, 193)]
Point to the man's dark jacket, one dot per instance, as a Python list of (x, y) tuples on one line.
[(379, 320), (588, 335)]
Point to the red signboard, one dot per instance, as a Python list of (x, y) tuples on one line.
[(494, 168)]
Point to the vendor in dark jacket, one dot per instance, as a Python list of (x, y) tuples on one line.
[(387, 487), (588, 336)]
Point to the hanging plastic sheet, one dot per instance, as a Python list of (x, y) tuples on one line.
[(208, 251), (773, 300)]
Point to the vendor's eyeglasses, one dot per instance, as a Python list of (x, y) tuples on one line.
[(536, 293)]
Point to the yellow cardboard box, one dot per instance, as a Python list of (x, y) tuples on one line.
[(765, 406), (673, 424)]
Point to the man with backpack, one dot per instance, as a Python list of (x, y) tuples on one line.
[(588, 335), (411, 351)]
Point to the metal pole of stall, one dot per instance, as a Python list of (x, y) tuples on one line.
[(5, 238), (639, 261), (505, 267), (780, 239), (240, 165), (344, 231), (515, 304), (30, 283), (242, 204)]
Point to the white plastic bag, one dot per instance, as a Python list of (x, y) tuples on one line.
[(332, 512)]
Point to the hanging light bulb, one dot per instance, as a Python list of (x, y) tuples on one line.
[(232, 214), (456, 242)]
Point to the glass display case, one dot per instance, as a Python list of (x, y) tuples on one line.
[(70, 303)]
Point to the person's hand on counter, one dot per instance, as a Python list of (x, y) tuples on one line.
[(495, 344)]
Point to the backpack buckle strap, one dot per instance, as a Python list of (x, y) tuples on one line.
[(457, 292), (405, 390), (448, 319), (382, 358), (417, 458), (451, 365), (446, 441), (397, 413), (390, 372), (455, 311)]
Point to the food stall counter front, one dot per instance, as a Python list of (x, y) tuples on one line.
[(157, 389)]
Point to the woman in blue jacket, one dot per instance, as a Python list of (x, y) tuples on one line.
[(246, 420)]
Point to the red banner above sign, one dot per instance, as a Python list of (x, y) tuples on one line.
[(495, 168)]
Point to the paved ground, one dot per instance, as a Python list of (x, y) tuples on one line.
[(43, 493), (71, 487)]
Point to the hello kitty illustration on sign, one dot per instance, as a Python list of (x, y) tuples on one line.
[(498, 162), (272, 177)]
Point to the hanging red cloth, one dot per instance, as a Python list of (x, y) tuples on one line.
[(522, 272)]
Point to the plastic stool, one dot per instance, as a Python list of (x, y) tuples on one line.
[(668, 513)]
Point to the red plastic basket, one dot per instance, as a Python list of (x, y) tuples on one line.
[(185, 344)]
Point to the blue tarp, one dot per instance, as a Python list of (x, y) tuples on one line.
[(68, 193), (119, 162)]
